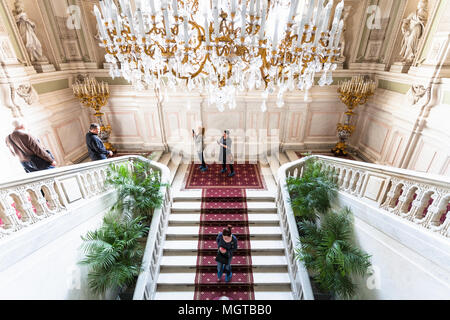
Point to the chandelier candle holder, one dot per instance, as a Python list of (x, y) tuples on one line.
[(222, 47), (352, 93), (95, 95)]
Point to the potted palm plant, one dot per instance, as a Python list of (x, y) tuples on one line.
[(138, 189), (313, 192), (113, 253), (330, 256)]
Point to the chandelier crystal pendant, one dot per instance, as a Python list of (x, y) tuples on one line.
[(221, 47)]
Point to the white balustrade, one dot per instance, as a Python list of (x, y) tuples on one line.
[(146, 284), (421, 199), (34, 197), (301, 285)]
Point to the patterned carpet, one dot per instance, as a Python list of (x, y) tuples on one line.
[(221, 207), (248, 176)]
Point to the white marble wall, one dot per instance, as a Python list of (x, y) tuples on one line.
[(393, 132), (56, 119), (136, 120)]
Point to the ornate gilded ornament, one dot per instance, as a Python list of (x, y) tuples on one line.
[(94, 95), (352, 93)]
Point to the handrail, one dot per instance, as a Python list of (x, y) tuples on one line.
[(298, 273), (419, 198), (33, 197), (146, 284)]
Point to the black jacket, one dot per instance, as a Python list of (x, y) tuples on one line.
[(96, 149), (230, 246)]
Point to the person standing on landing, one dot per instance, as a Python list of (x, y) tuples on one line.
[(199, 147), (227, 244), (96, 148), (226, 155), (32, 155)]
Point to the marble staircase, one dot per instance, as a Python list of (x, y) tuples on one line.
[(277, 160), (178, 264)]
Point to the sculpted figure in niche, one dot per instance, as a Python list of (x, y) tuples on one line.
[(342, 44), (27, 32), (413, 28)]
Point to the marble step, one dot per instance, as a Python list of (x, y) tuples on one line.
[(173, 167), (156, 155), (187, 278), (196, 195), (191, 232), (194, 219), (251, 206), (283, 158), (190, 261), (274, 164), (292, 156), (180, 247), (165, 158), (188, 294)]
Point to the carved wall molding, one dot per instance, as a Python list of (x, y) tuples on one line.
[(417, 93), (27, 93)]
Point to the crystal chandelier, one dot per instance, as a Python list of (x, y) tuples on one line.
[(221, 47)]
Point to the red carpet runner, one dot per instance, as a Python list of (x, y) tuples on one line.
[(248, 176), (221, 207)]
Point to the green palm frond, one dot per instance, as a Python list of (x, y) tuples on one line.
[(113, 253), (138, 189), (328, 252), (313, 192)]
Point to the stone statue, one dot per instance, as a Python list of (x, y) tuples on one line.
[(413, 28), (27, 32), (342, 44)]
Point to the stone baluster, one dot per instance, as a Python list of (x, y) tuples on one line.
[(359, 187), (348, 178), (417, 205), (295, 173), (419, 216), (38, 201), (390, 193), (99, 182), (406, 199), (25, 207), (402, 198), (352, 186), (87, 182), (434, 210), (8, 214), (53, 197), (345, 173)]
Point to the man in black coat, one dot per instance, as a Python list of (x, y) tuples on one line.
[(96, 148)]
